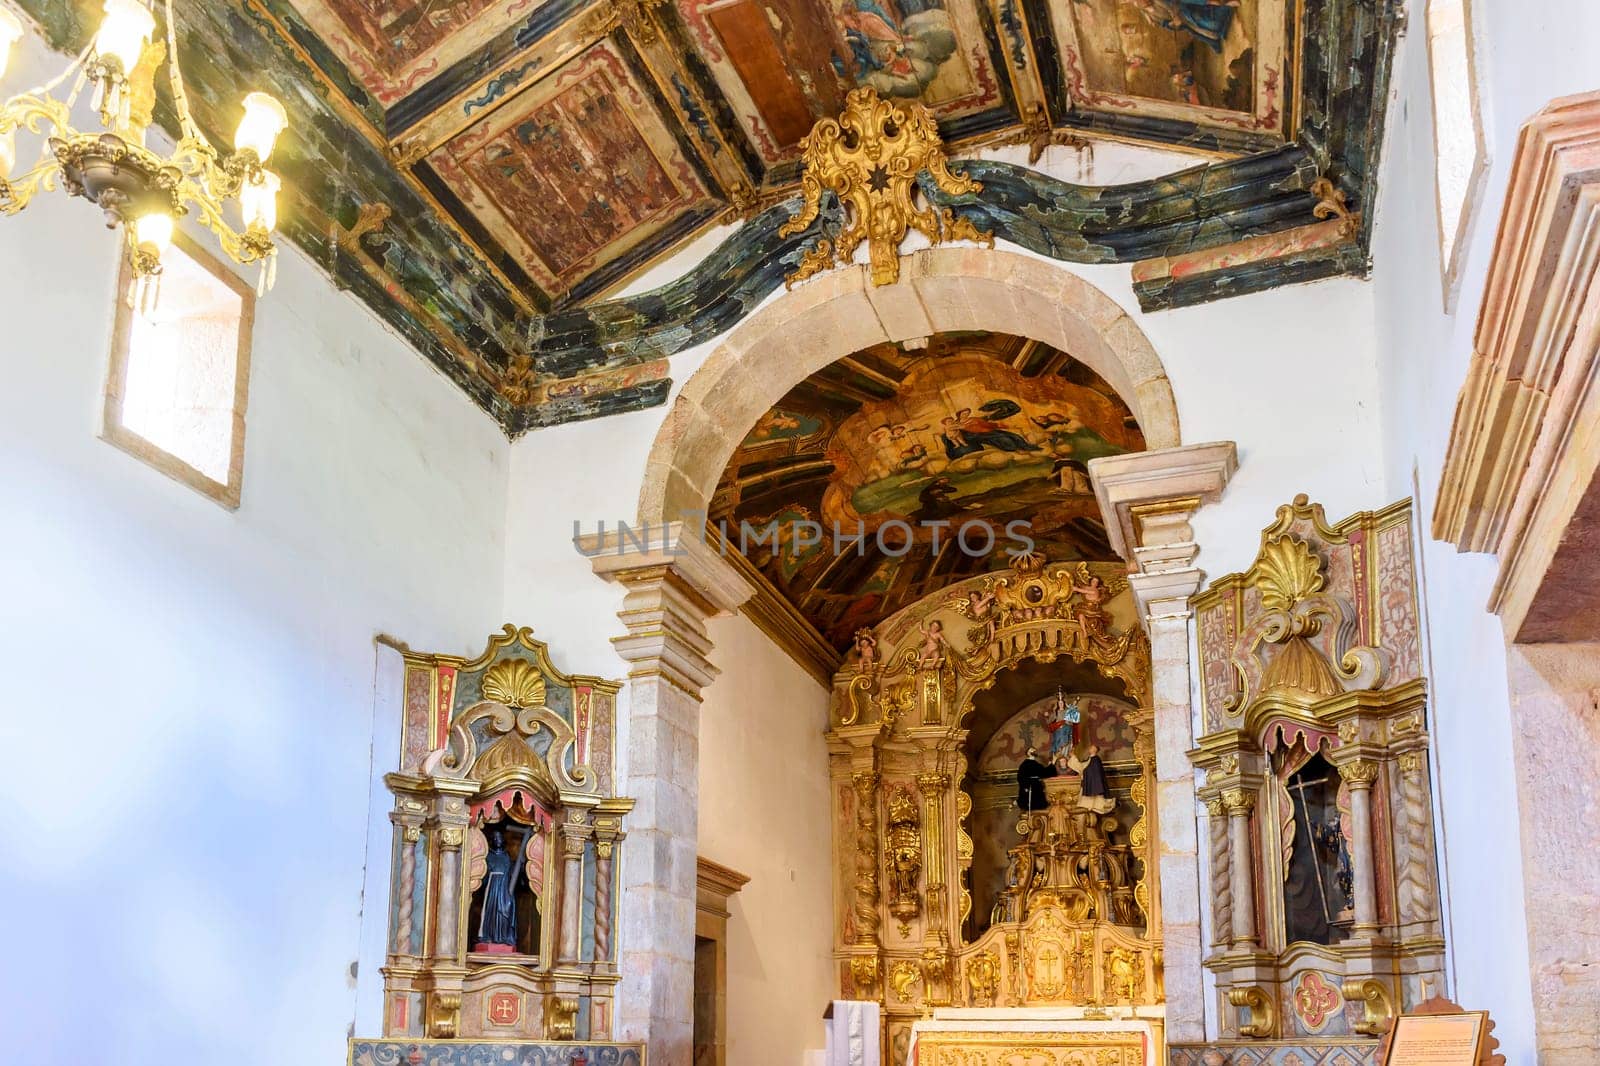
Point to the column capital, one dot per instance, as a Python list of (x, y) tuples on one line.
[(674, 581), (1166, 593), (1147, 499), (1359, 773)]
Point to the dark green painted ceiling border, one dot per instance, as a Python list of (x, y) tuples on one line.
[(420, 276)]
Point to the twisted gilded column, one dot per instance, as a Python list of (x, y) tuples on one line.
[(1359, 774), (1221, 875), (868, 918), (604, 844)]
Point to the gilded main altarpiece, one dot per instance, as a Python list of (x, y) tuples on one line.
[(507, 835), (1052, 907)]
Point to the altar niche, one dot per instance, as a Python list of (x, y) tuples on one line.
[(1325, 917), (949, 892), (507, 870), (506, 837)]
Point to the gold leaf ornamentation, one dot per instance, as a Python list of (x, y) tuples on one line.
[(1287, 572), (516, 683), (870, 157)]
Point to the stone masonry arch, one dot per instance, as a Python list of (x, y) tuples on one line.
[(940, 290)]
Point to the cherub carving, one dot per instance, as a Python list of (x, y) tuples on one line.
[(867, 649), (933, 644), (1091, 615), (980, 607)]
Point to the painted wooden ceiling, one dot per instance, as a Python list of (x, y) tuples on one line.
[(488, 174), (944, 458)]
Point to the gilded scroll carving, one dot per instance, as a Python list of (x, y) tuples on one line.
[(870, 157)]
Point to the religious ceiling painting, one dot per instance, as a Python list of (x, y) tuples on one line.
[(942, 457), (576, 171), (1210, 62), (784, 64), (394, 46), (488, 175)]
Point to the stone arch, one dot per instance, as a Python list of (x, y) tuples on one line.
[(940, 290)]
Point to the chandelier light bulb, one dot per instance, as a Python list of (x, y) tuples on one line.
[(124, 32), (153, 232), (259, 202), (10, 34), (8, 152), (264, 118)]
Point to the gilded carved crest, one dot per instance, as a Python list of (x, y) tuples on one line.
[(870, 157), (516, 683)]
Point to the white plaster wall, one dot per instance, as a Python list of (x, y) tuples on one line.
[(188, 708), (1527, 55), (764, 811)]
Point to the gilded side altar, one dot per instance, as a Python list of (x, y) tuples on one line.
[(507, 830)]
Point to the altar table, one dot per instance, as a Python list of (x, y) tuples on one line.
[(1038, 1036)]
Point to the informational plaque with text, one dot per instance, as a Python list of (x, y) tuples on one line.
[(1437, 1039)]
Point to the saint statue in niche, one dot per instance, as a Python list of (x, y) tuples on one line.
[(497, 924), (1031, 775)]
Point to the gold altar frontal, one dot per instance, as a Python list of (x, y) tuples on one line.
[(1037, 1038)]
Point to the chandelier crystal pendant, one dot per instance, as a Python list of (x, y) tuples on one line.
[(139, 190)]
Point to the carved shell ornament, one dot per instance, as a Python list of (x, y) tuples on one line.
[(516, 683), (1295, 605)]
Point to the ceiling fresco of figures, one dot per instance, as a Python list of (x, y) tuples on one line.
[(783, 64), (1213, 62), (490, 175), (978, 435)]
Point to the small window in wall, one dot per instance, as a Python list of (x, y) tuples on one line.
[(1460, 160), (175, 397)]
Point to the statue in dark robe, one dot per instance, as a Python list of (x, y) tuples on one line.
[(1031, 775), (1094, 775), (497, 926)]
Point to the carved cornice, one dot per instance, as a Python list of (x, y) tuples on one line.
[(1136, 492), (1537, 349), (715, 884)]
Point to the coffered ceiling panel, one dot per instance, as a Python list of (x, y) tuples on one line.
[(489, 174), (392, 47), (577, 171)]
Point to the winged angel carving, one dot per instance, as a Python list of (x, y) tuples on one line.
[(870, 158)]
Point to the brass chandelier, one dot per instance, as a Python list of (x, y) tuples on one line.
[(138, 189)]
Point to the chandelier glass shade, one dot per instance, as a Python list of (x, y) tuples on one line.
[(139, 190)]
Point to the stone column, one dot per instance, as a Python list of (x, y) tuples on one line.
[(574, 837), (1238, 803), (1147, 499), (1359, 774), (674, 583)]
